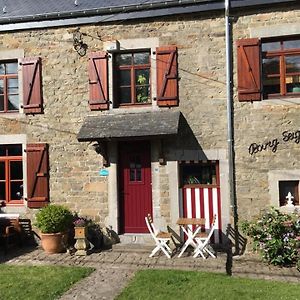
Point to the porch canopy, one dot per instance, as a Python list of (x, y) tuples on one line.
[(127, 126)]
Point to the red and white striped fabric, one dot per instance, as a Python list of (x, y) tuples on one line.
[(203, 202)]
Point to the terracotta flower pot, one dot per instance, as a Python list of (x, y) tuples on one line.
[(52, 242)]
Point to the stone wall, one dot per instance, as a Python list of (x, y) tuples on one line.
[(74, 178), (74, 166), (263, 121)]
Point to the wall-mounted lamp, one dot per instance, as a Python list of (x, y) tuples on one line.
[(101, 148), (79, 46)]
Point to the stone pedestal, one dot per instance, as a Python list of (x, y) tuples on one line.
[(82, 243)]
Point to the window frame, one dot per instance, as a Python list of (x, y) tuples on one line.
[(132, 68), (7, 159), (281, 53), (293, 186), (208, 163), (5, 78)]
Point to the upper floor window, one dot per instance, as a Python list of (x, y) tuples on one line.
[(268, 68), (9, 87), (13, 95), (132, 78), (281, 67)]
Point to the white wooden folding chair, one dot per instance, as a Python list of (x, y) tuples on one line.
[(203, 240), (161, 238)]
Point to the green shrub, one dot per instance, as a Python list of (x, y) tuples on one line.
[(53, 219), (276, 236)]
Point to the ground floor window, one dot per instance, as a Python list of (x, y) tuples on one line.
[(11, 174), (286, 187), (204, 173), (200, 194)]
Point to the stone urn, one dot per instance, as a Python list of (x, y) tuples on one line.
[(82, 243)]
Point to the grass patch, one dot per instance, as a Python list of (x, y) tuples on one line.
[(170, 284), (38, 282)]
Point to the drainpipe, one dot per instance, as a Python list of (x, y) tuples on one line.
[(230, 143)]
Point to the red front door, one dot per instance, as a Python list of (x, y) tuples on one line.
[(135, 186)]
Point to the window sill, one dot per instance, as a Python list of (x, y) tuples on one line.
[(13, 204), (277, 102), (12, 115), (199, 185), (290, 209), (129, 105), (134, 109)]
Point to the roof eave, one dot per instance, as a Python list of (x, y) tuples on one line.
[(98, 16)]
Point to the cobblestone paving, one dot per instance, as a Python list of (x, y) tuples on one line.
[(114, 269)]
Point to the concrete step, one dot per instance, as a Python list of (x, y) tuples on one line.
[(132, 248), (136, 239)]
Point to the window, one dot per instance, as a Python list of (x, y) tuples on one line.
[(9, 87), (135, 169), (285, 187), (281, 67), (204, 173), (268, 68), (29, 96), (132, 78), (11, 174)]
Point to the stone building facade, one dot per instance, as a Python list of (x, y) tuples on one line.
[(188, 169)]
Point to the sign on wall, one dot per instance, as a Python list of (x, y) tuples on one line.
[(273, 144)]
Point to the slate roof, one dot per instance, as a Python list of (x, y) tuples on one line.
[(24, 10), (128, 126)]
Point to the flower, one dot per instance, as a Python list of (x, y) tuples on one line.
[(80, 222)]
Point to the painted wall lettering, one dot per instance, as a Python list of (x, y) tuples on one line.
[(287, 136), (254, 147), (290, 136)]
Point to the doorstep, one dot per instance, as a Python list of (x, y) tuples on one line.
[(139, 243), (132, 248), (136, 238)]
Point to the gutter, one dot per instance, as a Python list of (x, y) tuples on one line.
[(230, 124)]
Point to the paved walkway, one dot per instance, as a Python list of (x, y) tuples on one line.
[(114, 268)]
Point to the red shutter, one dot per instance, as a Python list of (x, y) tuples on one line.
[(167, 76), (98, 80), (37, 175), (248, 69), (32, 85)]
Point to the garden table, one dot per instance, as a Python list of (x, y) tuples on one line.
[(190, 227)]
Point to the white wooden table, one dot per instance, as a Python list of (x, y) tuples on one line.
[(187, 225)]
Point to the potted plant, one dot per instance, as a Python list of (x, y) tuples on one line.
[(53, 221)]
